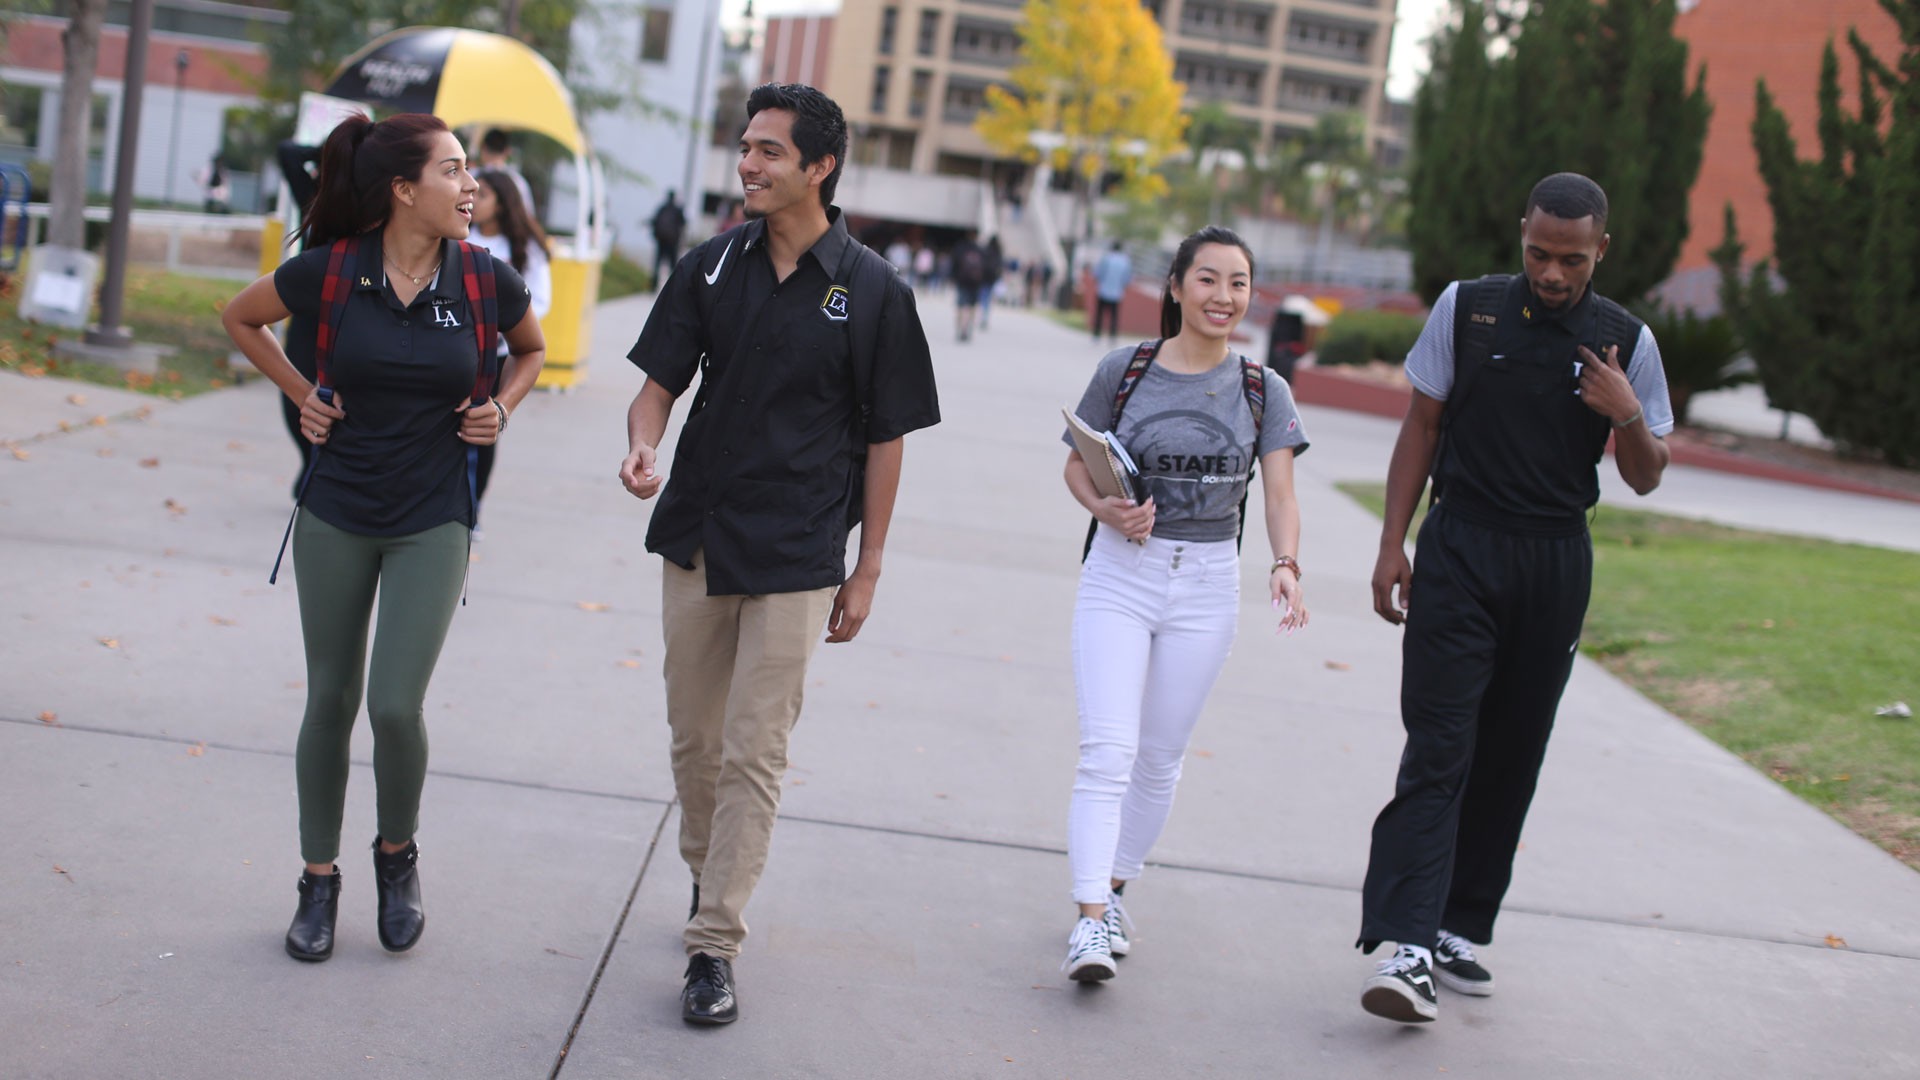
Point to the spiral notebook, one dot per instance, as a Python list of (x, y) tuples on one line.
[(1114, 472)]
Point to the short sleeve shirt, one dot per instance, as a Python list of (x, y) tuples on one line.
[(1430, 365), (1191, 435), (395, 466), (764, 470)]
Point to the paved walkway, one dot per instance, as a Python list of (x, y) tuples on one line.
[(1673, 913)]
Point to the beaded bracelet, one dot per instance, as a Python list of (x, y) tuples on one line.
[(1290, 563)]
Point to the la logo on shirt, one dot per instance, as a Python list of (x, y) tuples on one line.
[(444, 317)]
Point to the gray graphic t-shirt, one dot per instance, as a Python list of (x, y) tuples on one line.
[(1190, 435)]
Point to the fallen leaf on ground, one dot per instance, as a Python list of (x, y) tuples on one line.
[(1203, 753), (76, 399), (1835, 941), (174, 507), (21, 455), (105, 451), (220, 620), (149, 462), (62, 871), (630, 663), (32, 371), (111, 643), (1336, 665), (590, 605), (64, 426), (50, 717), (873, 704), (236, 446), (197, 750), (99, 421)]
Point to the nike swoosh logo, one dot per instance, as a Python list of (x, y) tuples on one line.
[(715, 276)]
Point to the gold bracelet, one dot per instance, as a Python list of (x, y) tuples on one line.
[(1290, 563)]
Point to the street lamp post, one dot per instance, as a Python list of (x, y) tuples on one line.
[(181, 60)]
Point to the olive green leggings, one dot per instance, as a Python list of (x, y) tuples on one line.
[(418, 579)]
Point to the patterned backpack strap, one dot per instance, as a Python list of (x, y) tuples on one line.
[(1253, 382), (1136, 367), (483, 301), (334, 290)]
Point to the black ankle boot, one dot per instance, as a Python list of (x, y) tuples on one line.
[(397, 880), (311, 935)]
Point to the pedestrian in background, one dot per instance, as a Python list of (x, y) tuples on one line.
[(504, 227), (1111, 276), (669, 226)]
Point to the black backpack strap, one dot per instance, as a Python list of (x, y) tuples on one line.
[(1617, 327), (867, 276), (716, 268), (1253, 384), (1129, 381), (1476, 311), (335, 287)]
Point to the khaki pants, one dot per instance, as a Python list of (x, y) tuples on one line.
[(736, 668)]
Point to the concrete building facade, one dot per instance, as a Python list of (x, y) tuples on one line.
[(912, 74), (183, 114)]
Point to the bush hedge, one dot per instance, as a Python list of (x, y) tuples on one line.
[(1359, 337)]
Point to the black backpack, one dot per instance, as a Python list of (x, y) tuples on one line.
[(864, 273), (1476, 310)]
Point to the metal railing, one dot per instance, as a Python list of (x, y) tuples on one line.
[(175, 223)]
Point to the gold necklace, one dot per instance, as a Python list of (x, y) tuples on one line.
[(410, 277)]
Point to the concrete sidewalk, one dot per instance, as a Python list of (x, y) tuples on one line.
[(1673, 911)]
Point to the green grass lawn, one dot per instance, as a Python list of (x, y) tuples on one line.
[(1776, 647), (160, 308)]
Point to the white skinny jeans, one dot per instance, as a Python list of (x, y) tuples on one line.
[(1151, 629)]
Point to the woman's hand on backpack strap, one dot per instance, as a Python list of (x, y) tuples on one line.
[(1133, 522), (481, 424), (317, 417)]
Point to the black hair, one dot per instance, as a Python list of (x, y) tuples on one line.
[(1183, 261), (1569, 197), (495, 141), (516, 223), (819, 127), (358, 165)]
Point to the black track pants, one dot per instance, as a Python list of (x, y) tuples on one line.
[(1491, 632)]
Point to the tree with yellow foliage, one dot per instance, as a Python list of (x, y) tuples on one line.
[(1095, 81)]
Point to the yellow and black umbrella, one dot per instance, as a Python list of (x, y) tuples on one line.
[(472, 77)]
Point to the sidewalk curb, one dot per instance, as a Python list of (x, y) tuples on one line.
[(1319, 386)]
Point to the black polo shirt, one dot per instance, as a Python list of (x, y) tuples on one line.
[(395, 466), (763, 474)]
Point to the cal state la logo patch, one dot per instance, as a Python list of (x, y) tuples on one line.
[(835, 305)]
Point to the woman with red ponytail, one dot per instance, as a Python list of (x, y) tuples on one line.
[(393, 312)]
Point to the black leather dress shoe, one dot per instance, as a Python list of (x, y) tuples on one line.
[(397, 881), (708, 997), (311, 935)]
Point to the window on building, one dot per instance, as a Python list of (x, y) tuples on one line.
[(20, 115), (918, 95), (929, 32), (882, 75), (656, 27), (900, 150), (889, 23)]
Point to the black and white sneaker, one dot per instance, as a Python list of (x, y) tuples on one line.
[(1401, 989), (1118, 925), (1457, 969), (1089, 953)]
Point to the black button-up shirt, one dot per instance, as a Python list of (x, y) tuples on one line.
[(395, 466), (763, 473)]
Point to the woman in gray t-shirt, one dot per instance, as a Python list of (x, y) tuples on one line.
[(1159, 595)]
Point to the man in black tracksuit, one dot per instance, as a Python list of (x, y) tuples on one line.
[(1518, 383)]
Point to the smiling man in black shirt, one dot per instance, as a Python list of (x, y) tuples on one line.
[(811, 357)]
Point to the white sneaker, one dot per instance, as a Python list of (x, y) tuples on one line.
[(1118, 924), (1089, 954), (1458, 969), (1401, 989)]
